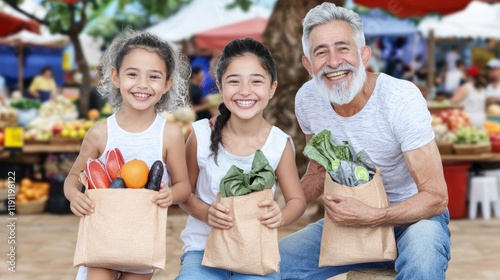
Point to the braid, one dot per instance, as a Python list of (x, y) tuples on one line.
[(220, 122)]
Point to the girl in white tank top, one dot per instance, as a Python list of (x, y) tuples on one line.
[(141, 75), (246, 79)]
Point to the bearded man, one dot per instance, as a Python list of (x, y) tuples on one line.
[(389, 119)]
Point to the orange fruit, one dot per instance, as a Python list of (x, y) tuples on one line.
[(93, 114), (135, 173)]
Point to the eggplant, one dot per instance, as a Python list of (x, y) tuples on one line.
[(154, 176), (117, 183)]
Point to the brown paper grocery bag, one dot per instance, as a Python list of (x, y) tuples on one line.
[(126, 230), (248, 247), (348, 245)]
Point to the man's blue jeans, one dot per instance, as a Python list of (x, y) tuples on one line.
[(423, 252)]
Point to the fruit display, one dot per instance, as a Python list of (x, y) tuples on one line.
[(59, 106), (8, 117), (471, 136), (443, 134), (452, 118), (73, 129), (45, 128), (493, 110), (491, 127), (32, 191)]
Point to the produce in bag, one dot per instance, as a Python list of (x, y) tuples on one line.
[(351, 175), (341, 161), (248, 247)]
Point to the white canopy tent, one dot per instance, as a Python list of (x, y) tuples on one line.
[(478, 20), (202, 15)]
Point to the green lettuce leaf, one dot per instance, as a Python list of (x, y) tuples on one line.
[(260, 177)]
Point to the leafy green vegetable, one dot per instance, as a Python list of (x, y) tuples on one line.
[(25, 103), (322, 150), (341, 161), (260, 177)]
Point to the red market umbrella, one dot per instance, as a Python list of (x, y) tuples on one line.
[(417, 8), (10, 25), (218, 38)]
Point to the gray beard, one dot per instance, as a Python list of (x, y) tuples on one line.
[(341, 93)]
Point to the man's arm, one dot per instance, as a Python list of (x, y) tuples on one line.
[(431, 200), (426, 168), (313, 180)]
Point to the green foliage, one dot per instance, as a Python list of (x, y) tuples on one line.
[(244, 4)]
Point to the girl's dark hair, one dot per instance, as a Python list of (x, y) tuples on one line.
[(237, 48), (177, 68), (480, 82)]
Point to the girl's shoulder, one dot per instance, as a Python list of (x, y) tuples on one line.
[(172, 130), (98, 129), (97, 135)]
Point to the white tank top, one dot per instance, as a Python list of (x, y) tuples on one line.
[(146, 145), (475, 105), (196, 232)]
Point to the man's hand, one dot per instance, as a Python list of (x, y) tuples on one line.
[(347, 211)]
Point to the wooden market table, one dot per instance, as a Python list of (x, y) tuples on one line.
[(486, 157), (33, 148)]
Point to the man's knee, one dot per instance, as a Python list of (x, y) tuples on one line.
[(425, 241)]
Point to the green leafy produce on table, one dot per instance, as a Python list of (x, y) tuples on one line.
[(25, 103), (341, 161), (471, 136)]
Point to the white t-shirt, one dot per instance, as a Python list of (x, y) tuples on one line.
[(475, 105), (210, 174), (393, 121), (492, 91), (452, 80)]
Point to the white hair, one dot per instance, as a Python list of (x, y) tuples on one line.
[(325, 13)]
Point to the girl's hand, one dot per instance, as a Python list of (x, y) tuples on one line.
[(218, 216), (81, 205), (273, 218), (164, 197)]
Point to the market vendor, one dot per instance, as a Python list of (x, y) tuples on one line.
[(493, 88), (43, 86), (472, 95)]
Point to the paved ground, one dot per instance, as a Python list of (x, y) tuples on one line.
[(46, 243)]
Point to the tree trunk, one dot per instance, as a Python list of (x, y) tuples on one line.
[(83, 67), (283, 37)]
